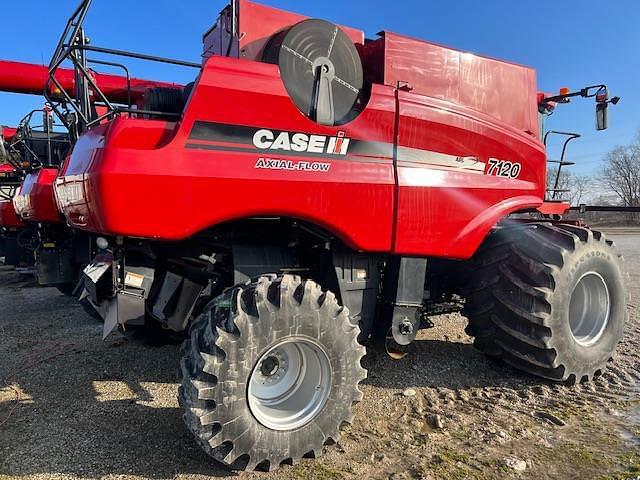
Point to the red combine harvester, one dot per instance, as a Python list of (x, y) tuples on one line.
[(38, 151), (58, 252), (312, 191), (12, 230)]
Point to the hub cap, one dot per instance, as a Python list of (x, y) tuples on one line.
[(290, 384), (589, 309)]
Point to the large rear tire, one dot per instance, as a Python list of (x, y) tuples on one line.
[(549, 299), (270, 373)]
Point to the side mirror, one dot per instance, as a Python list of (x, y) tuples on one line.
[(599, 92), (602, 108), (602, 116)]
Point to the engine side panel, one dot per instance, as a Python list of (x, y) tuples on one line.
[(212, 171), (452, 188), (8, 217), (35, 201)]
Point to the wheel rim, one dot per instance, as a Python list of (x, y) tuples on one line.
[(290, 384), (589, 309)]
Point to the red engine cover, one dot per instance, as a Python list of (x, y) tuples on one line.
[(8, 217), (35, 201)]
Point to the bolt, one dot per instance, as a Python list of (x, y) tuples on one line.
[(405, 328), (269, 366)]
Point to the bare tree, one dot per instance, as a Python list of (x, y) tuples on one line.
[(572, 188), (622, 173), (563, 186), (580, 188)]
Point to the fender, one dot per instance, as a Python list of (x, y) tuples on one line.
[(466, 243)]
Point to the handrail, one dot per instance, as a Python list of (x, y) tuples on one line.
[(561, 163), (77, 112), (126, 73)]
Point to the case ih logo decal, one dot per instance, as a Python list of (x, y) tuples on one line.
[(246, 139), (276, 164), (301, 142)]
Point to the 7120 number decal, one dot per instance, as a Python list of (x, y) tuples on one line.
[(504, 168)]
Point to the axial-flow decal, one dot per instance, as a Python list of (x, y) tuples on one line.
[(302, 166)]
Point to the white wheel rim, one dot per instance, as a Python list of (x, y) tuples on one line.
[(589, 309), (290, 384)]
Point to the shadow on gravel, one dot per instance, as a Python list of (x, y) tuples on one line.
[(443, 364), (96, 409), (109, 408)]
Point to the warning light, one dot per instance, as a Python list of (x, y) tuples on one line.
[(565, 91)]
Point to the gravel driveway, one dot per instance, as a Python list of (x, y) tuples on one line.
[(72, 406)]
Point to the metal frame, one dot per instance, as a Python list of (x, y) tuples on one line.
[(24, 135), (587, 92), (73, 45), (582, 208)]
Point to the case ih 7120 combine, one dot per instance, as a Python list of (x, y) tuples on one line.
[(313, 191)]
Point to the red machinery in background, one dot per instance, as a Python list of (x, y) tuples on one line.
[(10, 179), (11, 226), (37, 151), (32, 79)]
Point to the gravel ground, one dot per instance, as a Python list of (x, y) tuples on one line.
[(72, 406)]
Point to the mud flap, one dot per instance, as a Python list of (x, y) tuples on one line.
[(117, 305), (175, 301), (55, 266), (97, 283), (126, 308)]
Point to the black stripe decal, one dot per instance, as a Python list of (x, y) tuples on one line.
[(368, 151), (220, 132), (283, 153), (374, 149), (242, 134)]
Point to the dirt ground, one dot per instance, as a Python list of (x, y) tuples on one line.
[(72, 406)]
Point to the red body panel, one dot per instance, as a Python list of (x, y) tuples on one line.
[(6, 168), (446, 207), (501, 90), (8, 133), (158, 180), (35, 201), (8, 217), (26, 78), (554, 208), (354, 199)]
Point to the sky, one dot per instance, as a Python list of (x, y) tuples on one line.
[(573, 43)]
